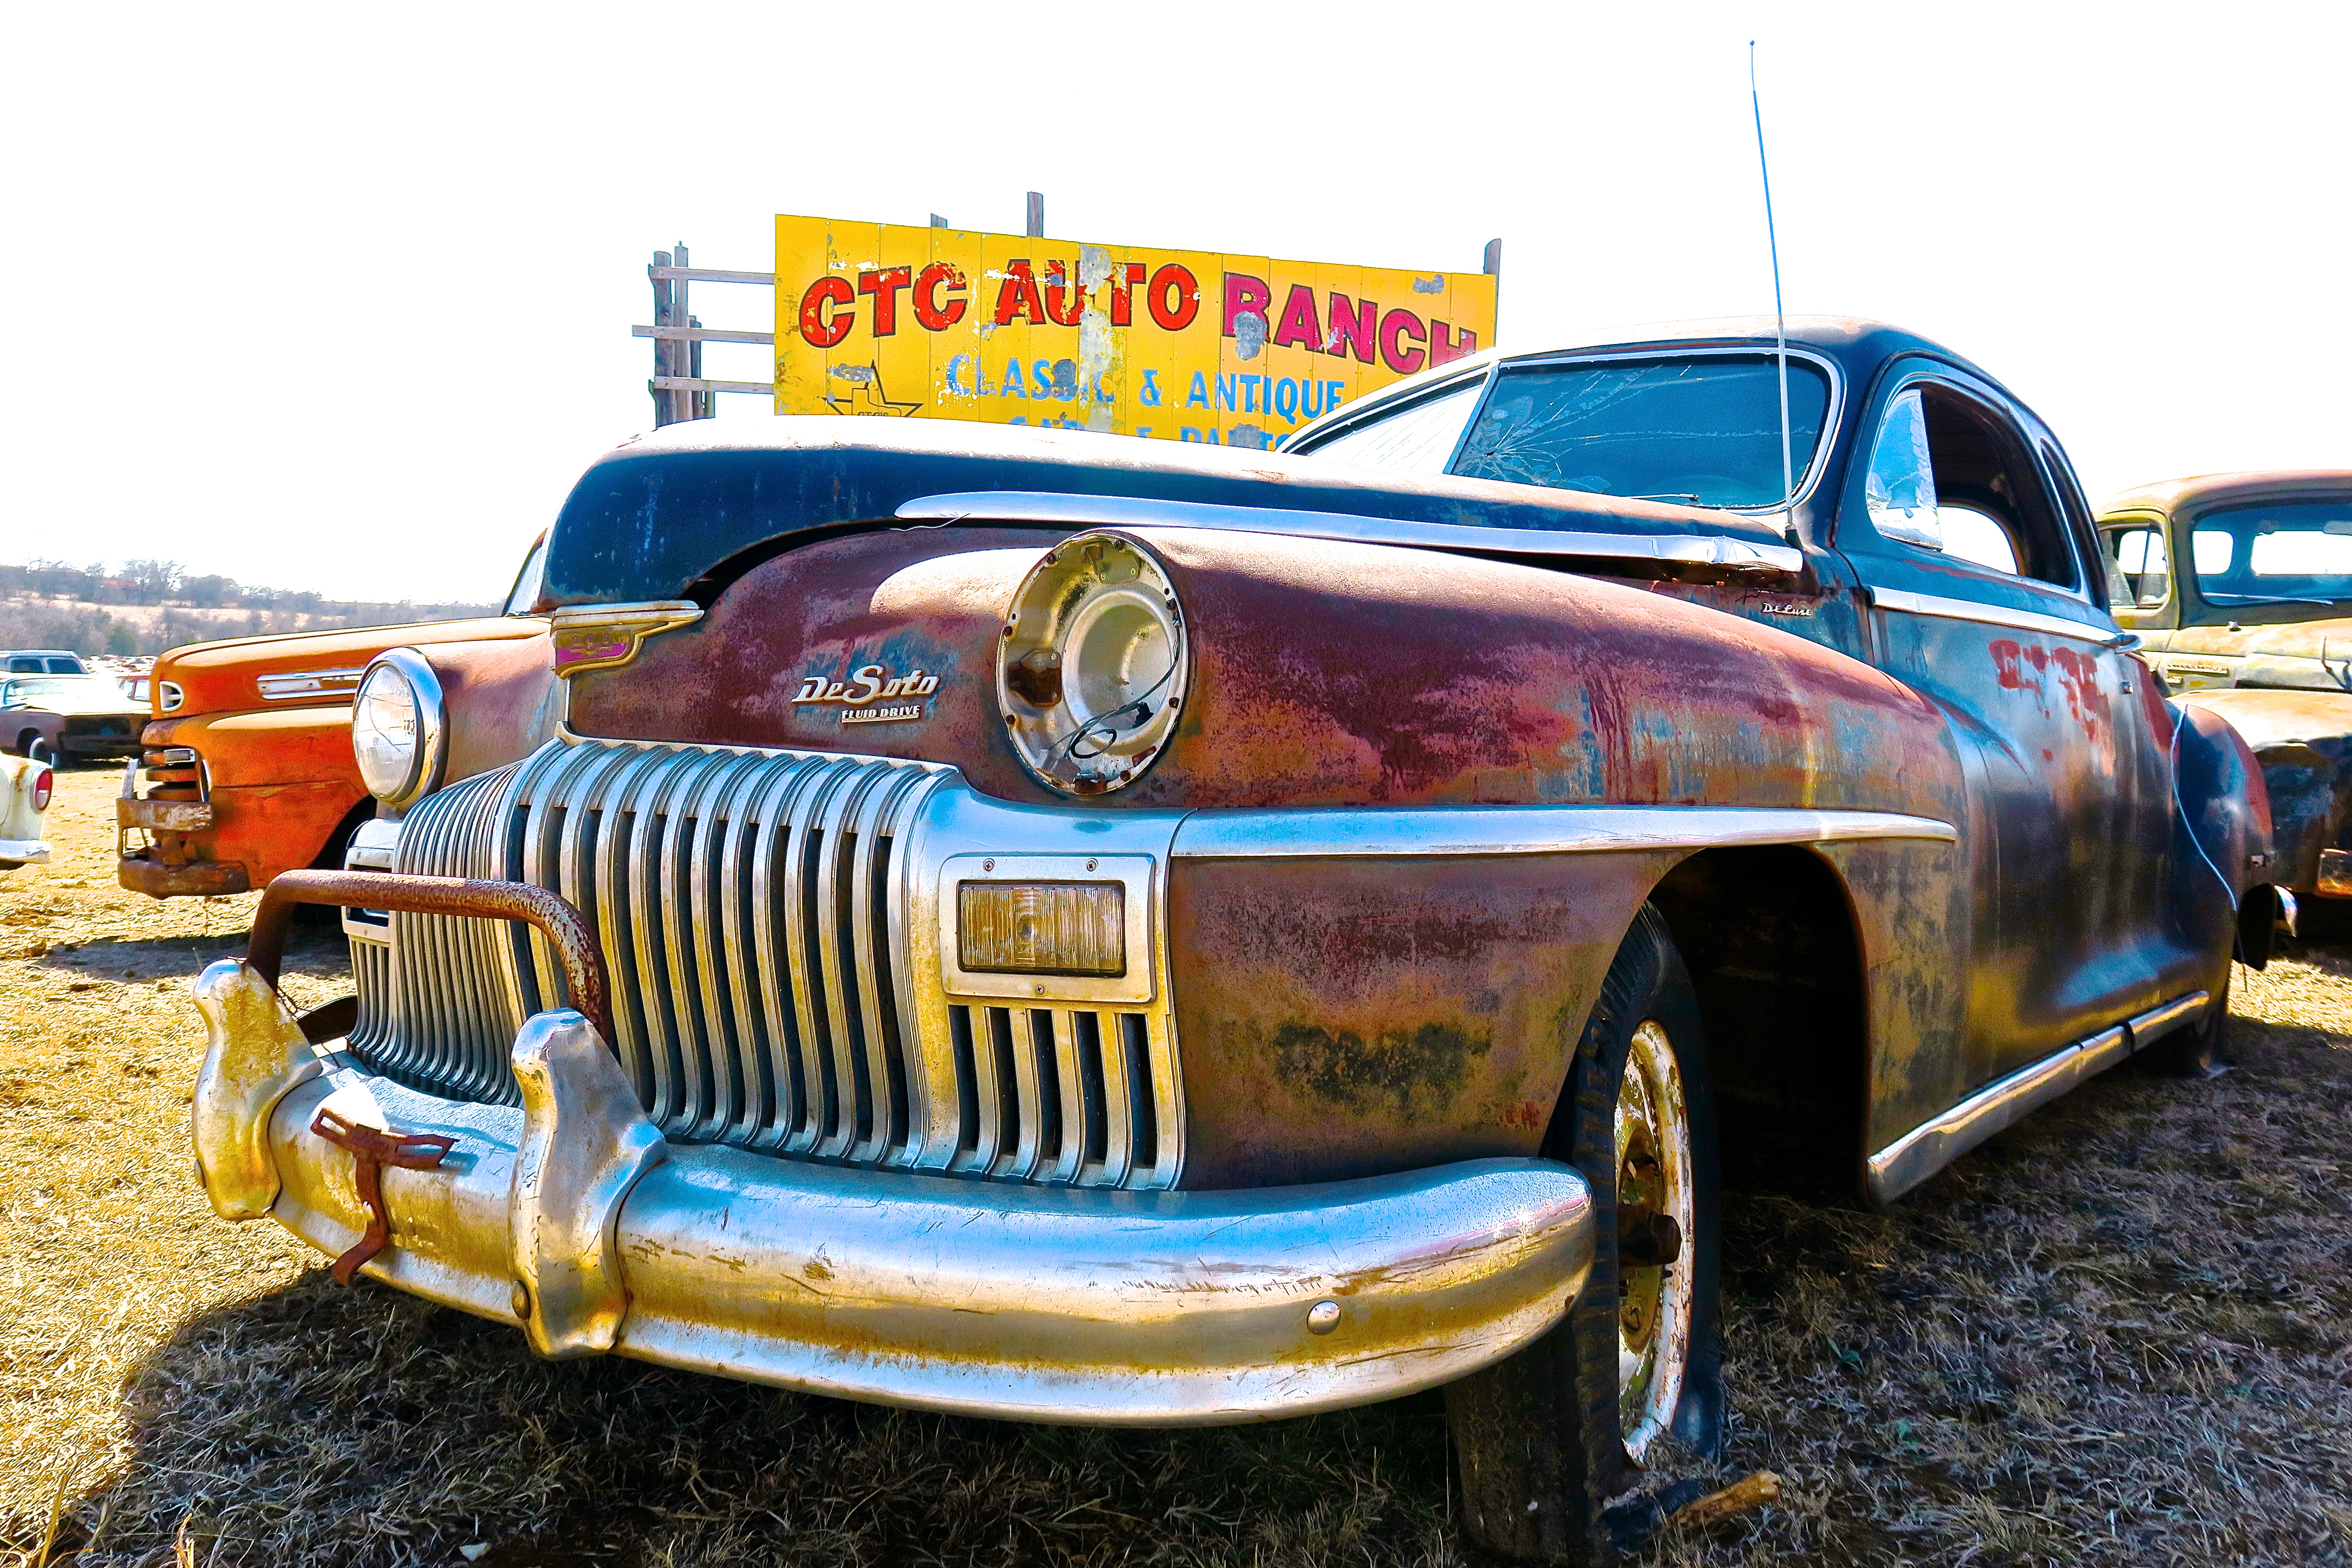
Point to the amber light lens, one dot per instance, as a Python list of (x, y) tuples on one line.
[(1042, 928)]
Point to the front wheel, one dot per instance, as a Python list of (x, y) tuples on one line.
[(39, 750), (1547, 1438)]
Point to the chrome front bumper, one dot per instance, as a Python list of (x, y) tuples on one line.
[(575, 1218)]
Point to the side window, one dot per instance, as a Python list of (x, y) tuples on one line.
[(1901, 485), (1421, 438), (2139, 576), (528, 581), (66, 667), (1951, 474)]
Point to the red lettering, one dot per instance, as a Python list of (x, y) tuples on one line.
[(1298, 324), (1018, 295), (831, 290), (884, 285), (1395, 325), (1353, 326), (1245, 295), (935, 315), (1123, 280), (1064, 305), (1444, 348), (1174, 297)]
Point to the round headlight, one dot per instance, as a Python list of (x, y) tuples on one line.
[(1091, 670), (396, 730)]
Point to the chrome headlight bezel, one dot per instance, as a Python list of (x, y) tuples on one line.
[(398, 785), (1094, 664)]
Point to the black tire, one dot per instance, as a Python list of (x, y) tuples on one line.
[(1539, 1439), (2200, 1050), (40, 750)]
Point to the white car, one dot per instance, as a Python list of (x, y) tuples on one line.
[(25, 788)]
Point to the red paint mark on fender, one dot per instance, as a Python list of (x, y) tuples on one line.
[(1526, 1114), (2078, 674)]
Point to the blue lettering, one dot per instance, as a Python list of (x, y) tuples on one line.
[(1144, 431), (1339, 392), (1013, 382), (1310, 398), (1285, 399), (1149, 396), (1064, 378), (1198, 396), (1225, 391)]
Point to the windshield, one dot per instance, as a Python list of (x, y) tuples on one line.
[(2274, 552), (69, 688), (1697, 431)]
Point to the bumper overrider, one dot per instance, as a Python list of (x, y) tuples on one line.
[(573, 1216)]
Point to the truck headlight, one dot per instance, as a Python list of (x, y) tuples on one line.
[(397, 732), (1092, 666)]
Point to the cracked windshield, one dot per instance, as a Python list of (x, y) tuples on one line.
[(1703, 432), (2275, 554)]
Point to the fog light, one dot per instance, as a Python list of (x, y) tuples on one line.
[(1042, 928)]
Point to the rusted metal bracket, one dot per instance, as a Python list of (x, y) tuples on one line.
[(566, 929), (372, 1149)]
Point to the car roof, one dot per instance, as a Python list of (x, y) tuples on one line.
[(2202, 491)]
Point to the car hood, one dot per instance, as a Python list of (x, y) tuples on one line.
[(225, 677), (2315, 655), (79, 708)]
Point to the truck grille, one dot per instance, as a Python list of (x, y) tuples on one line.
[(752, 908)]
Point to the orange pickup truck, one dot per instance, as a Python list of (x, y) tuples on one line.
[(247, 768)]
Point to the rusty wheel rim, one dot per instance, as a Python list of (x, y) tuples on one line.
[(1653, 1177)]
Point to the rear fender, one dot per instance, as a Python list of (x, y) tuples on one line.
[(2302, 743), (2224, 827)]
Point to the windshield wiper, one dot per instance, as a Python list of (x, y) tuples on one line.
[(1677, 495), (2268, 599)]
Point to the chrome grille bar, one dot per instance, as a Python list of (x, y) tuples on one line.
[(753, 910)]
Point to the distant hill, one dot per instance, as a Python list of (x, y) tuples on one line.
[(147, 607)]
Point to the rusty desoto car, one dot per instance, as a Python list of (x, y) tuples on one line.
[(66, 719), (246, 767), (1061, 927), (2242, 586)]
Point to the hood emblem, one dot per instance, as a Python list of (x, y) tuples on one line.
[(871, 695)]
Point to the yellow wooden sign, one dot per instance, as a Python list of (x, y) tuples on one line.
[(1178, 345)]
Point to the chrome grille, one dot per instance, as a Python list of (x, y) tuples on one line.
[(752, 911)]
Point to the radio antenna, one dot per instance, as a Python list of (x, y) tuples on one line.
[(1780, 321)]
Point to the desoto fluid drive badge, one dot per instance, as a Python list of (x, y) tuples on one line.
[(866, 686)]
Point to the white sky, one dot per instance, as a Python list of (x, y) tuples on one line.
[(339, 296)]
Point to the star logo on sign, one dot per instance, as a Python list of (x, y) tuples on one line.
[(861, 393)]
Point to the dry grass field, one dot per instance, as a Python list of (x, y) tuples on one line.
[(2120, 1334)]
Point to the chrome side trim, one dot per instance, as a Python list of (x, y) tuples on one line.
[(1320, 831), (1937, 1142), (1135, 512), (2159, 1021), (308, 683), (1998, 615)]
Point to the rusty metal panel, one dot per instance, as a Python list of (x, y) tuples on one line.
[(1342, 1017)]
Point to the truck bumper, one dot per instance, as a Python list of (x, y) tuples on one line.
[(23, 852), (574, 1217), (142, 873)]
